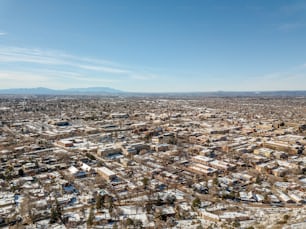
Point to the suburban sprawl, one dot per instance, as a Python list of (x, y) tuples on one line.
[(152, 162)]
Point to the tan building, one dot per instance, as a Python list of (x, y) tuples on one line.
[(106, 173)]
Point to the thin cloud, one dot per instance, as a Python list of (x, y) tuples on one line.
[(3, 34), (143, 76), (21, 76), (104, 69), (37, 56), (32, 67), (48, 79)]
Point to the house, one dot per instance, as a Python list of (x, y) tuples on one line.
[(280, 172), (283, 197), (264, 152), (230, 216), (85, 167), (157, 139), (6, 199), (65, 143), (202, 159), (165, 211), (208, 215), (161, 147), (296, 197), (108, 150), (259, 198), (201, 169), (217, 164), (76, 172), (119, 115)]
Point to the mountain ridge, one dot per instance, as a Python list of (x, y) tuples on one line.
[(112, 91)]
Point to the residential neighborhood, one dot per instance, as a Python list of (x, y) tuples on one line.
[(152, 162)]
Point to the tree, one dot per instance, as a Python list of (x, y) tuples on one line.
[(21, 172), (266, 198), (196, 203), (145, 182), (236, 223), (129, 222), (100, 182), (56, 212), (8, 173), (99, 202), (148, 207), (53, 216), (138, 223), (91, 217), (27, 209), (170, 199), (108, 202), (159, 201), (36, 164), (216, 181), (90, 156), (286, 217), (58, 209), (258, 179)]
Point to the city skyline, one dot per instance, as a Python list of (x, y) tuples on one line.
[(173, 46)]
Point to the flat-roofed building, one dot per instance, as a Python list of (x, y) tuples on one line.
[(283, 196), (208, 215), (264, 152), (202, 159), (161, 147), (295, 197), (108, 150), (221, 165), (65, 143), (106, 173), (119, 115), (217, 164), (280, 146), (201, 169)]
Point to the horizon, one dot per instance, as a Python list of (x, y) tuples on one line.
[(154, 47), (114, 90)]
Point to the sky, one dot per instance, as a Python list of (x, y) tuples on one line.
[(154, 46)]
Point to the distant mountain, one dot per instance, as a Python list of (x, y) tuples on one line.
[(227, 94), (112, 91), (70, 91)]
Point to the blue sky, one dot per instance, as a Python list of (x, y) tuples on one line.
[(154, 46)]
